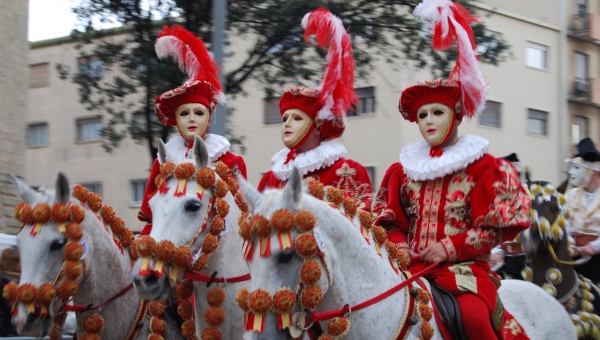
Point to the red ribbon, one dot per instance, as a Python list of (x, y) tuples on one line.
[(436, 151), (290, 156)]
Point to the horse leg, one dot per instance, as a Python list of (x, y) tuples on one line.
[(475, 317)]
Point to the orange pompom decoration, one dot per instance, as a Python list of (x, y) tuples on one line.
[(156, 308), (60, 213), (9, 293), (54, 333), (184, 289), (26, 293), (133, 254), (244, 230), (93, 323), (206, 178), (211, 334), (284, 300), (282, 220), (41, 213), (326, 337), (260, 226), (214, 316), (145, 246), (216, 297), (108, 214), (185, 309), (305, 220), (183, 257), (73, 251), (165, 250), (311, 297), (391, 249), (94, 202), (221, 188), (23, 213), (366, 219), (73, 269), (423, 296), (200, 264), (233, 185), (157, 325), (338, 326), (184, 170), (77, 214), (166, 169), (90, 336), (210, 244), (188, 328), (260, 301), (118, 226), (316, 189), (335, 195), (425, 311), (241, 298), (310, 272), (222, 169), (379, 234), (74, 231), (158, 181), (222, 207), (155, 337), (350, 206), (127, 238), (216, 226), (81, 193), (46, 293), (67, 288), (241, 203), (402, 260), (427, 330), (306, 245)]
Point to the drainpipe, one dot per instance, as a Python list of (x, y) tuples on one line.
[(563, 81)]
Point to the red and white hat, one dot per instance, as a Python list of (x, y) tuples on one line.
[(465, 90), (203, 85), (328, 103)]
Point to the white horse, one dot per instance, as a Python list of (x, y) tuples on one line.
[(107, 271), (178, 219), (358, 273)]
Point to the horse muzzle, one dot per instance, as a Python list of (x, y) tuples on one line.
[(32, 324)]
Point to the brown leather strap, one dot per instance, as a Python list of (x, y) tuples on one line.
[(583, 239), (512, 248)]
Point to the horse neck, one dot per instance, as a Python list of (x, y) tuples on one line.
[(543, 261)]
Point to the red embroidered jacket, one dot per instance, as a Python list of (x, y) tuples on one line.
[(347, 175)]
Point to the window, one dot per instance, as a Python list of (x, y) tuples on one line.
[(137, 191), (92, 68), (537, 122), (94, 187), (37, 134), (580, 8), (581, 65), (89, 130), (271, 112), (491, 115), (579, 129), (537, 56), (39, 75), (366, 101)]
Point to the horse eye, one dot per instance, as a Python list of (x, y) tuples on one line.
[(57, 244), (285, 257), (554, 208), (192, 206)]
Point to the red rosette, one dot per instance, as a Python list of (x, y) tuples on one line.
[(184, 289), (118, 226), (306, 245), (73, 269), (221, 188), (206, 178), (81, 193), (350, 206), (73, 251), (216, 297), (335, 195), (108, 214), (245, 230), (311, 297), (427, 330), (284, 300), (211, 334), (222, 169), (67, 288), (200, 264), (305, 220), (22, 213), (156, 308), (90, 336), (316, 188), (55, 333), (77, 214), (260, 226), (326, 337), (155, 337), (241, 203), (425, 312), (41, 213), (165, 251), (338, 326), (214, 316), (94, 202), (282, 220), (423, 296), (166, 169), (74, 231), (233, 185), (210, 244), (216, 226), (260, 301), (183, 257), (158, 326), (185, 170), (9, 293), (185, 308), (127, 238), (188, 328), (366, 219), (310, 272), (222, 207), (60, 212), (93, 323), (145, 246), (379, 234), (241, 298)]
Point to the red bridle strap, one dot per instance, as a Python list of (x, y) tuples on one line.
[(81, 308), (208, 278)]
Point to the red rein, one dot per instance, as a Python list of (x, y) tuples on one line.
[(82, 308), (208, 278)]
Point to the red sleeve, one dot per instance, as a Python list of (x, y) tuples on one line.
[(387, 209), (499, 211), (266, 181), (145, 214), (241, 164)]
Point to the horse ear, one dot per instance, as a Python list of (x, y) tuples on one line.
[(162, 152), (25, 192), (200, 153), (63, 193), (251, 195), (292, 193)]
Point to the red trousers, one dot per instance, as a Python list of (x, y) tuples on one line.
[(475, 317)]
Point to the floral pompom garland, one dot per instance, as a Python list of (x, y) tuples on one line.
[(310, 272), (311, 297), (282, 220), (206, 178), (241, 298), (316, 189), (260, 226), (93, 323), (306, 245), (23, 213), (338, 327), (305, 220)]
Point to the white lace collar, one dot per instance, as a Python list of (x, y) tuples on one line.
[(322, 156), (420, 166), (216, 145)]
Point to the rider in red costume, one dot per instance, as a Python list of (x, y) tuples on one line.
[(447, 199), (188, 107), (312, 118)]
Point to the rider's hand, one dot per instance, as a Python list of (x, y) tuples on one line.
[(434, 253), (496, 258), (575, 251), (588, 250)]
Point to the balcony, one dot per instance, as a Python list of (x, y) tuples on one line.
[(585, 90), (585, 26)]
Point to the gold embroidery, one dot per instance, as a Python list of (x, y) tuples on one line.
[(457, 208), (475, 237), (465, 280), (426, 218), (513, 326), (498, 314), (361, 192), (450, 249)]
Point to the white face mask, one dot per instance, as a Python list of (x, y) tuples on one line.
[(434, 122), (576, 174), (192, 120), (294, 127)]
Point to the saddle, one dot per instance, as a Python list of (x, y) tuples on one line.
[(448, 310)]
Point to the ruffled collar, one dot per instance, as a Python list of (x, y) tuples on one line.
[(419, 165), (216, 145), (322, 156)]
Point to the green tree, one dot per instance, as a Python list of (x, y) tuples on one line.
[(384, 29)]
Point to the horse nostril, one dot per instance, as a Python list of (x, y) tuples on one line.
[(151, 280)]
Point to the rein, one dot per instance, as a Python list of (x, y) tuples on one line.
[(199, 277), (568, 263), (82, 308)]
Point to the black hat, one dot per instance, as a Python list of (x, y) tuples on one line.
[(512, 158), (587, 150)]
